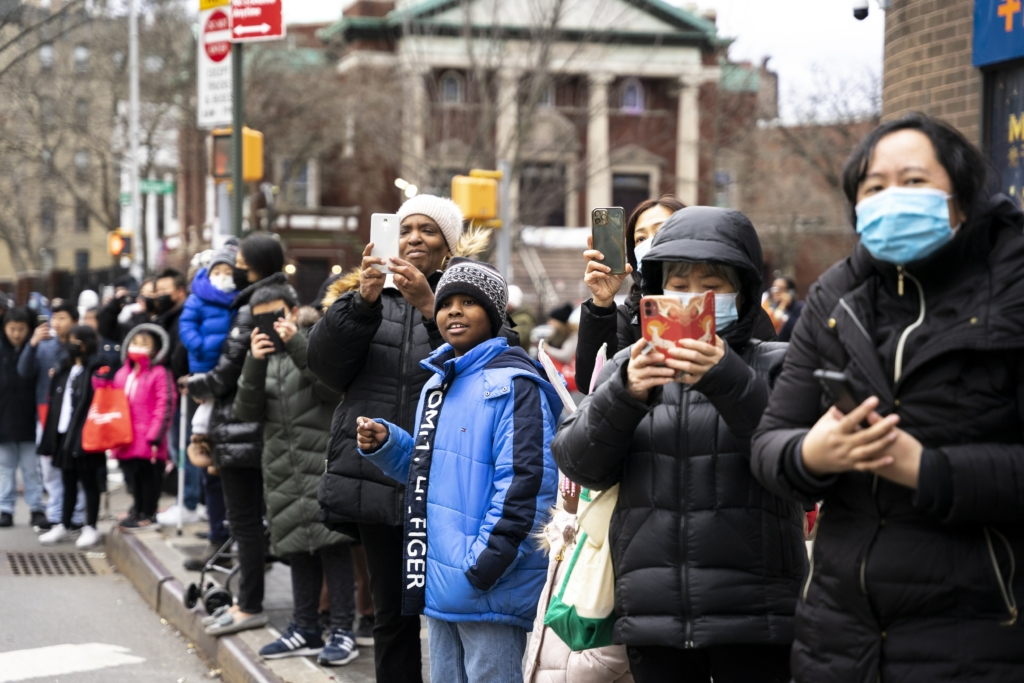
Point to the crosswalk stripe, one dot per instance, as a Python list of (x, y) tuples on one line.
[(57, 660)]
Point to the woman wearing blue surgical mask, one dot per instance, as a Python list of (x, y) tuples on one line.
[(914, 575), (708, 563)]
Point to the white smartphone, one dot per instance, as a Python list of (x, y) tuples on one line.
[(384, 229)]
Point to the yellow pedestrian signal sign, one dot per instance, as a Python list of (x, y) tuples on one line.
[(252, 154), (119, 243)]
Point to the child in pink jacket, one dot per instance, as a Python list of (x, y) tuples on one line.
[(152, 397)]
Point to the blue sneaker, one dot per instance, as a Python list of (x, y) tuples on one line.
[(339, 650), (294, 642)]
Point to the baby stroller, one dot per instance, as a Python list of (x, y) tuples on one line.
[(214, 595)]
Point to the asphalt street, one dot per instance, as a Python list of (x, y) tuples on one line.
[(82, 629)]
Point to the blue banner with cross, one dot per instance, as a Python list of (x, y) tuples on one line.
[(998, 31)]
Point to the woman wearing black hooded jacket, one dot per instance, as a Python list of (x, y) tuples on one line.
[(914, 574), (708, 564), (618, 326), (238, 445)]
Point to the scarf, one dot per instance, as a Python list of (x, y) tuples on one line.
[(414, 552)]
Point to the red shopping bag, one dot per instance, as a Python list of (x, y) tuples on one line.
[(108, 424)]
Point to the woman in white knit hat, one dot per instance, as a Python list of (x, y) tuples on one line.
[(369, 345)]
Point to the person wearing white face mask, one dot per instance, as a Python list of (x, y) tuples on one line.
[(708, 563), (206, 320), (601, 321), (922, 475)]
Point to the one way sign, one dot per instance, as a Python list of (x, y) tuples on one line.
[(255, 20)]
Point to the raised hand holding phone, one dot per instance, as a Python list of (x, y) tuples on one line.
[(603, 284)]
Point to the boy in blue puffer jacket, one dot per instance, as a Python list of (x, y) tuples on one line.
[(206, 319), (480, 480)]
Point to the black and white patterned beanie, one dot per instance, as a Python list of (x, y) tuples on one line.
[(477, 279)]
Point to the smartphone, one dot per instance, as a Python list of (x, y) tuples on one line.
[(837, 386), (265, 324), (666, 320), (384, 229), (609, 229)]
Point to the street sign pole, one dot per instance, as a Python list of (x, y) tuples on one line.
[(133, 139), (238, 104)]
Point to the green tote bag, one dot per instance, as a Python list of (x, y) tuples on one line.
[(582, 614)]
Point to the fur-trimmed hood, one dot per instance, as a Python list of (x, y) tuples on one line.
[(157, 331), (471, 243)]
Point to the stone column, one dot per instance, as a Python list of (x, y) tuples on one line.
[(599, 173), (415, 110), (688, 142)]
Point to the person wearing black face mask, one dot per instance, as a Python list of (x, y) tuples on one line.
[(171, 293), (71, 394), (122, 313)]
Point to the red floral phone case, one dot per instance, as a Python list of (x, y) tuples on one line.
[(665, 320)]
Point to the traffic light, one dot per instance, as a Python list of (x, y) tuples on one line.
[(119, 242), (252, 154), (477, 195)]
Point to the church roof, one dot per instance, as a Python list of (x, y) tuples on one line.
[(637, 22)]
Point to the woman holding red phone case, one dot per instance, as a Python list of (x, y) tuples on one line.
[(915, 572), (708, 563), (618, 326)]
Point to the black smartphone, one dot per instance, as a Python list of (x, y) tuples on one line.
[(837, 386), (609, 230), (265, 324)]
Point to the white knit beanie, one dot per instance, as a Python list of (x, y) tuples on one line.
[(444, 212)]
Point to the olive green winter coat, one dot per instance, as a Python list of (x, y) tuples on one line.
[(295, 409)]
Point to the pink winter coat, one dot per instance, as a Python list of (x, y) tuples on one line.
[(152, 397), (549, 660)]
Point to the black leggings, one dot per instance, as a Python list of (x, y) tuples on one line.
[(72, 477), (308, 571), (141, 476), (243, 493), (726, 663)]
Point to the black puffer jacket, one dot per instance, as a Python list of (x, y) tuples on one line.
[(905, 585), (17, 397), (235, 443), (703, 554), (619, 327), (372, 354)]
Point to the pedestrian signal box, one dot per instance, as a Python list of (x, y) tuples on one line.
[(477, 196), (119, 242), (252, 155)]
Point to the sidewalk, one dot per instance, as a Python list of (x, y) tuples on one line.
[(153, 561)]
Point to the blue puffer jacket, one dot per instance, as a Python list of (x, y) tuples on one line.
[(492, 481), (205, 322)]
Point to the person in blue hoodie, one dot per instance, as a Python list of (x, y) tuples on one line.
[(480, 479), (206, 318)]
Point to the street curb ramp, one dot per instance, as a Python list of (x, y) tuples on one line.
[(164, 593)]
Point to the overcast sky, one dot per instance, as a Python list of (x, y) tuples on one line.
[(801, 36)]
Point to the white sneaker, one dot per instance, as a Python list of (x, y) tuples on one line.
[(88, 537), (57, 534), (169, 517)]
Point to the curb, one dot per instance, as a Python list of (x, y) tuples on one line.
[(164, 593)]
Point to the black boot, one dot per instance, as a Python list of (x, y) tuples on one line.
[(39, 521), (6, 519)]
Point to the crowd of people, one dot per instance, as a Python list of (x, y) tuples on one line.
[(398, 446)]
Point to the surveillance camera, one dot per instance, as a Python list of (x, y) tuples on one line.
[(860, 9)]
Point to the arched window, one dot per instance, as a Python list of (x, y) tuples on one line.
[(453, 88), (632, 95)]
